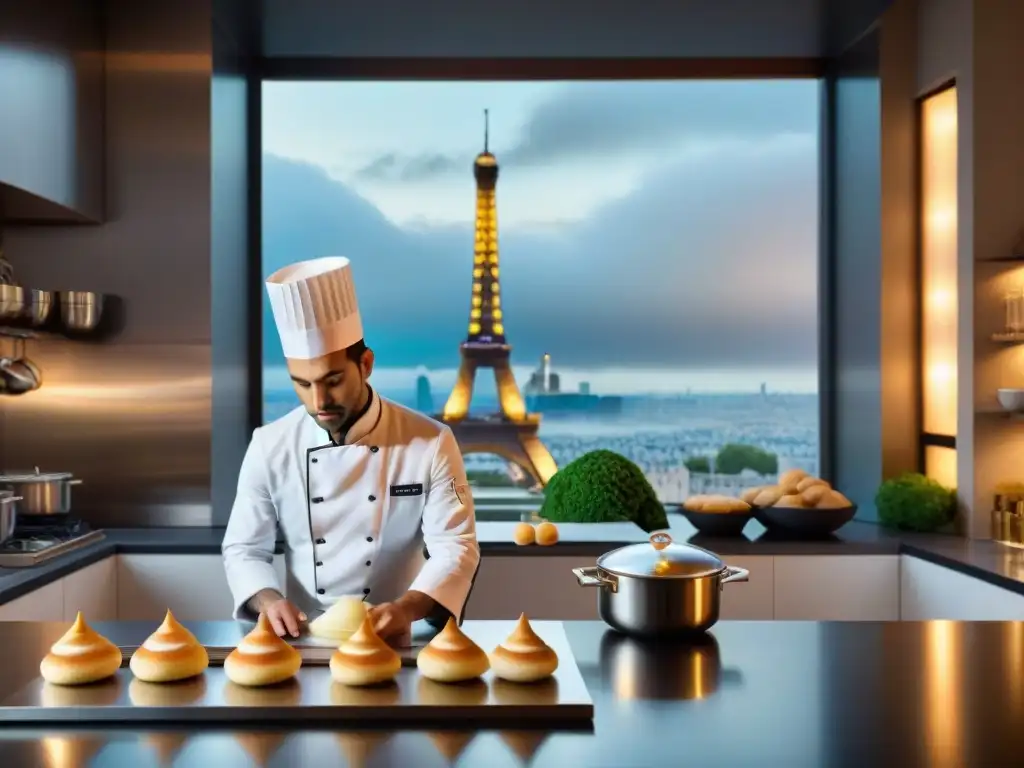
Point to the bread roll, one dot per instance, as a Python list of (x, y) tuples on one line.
[(547, 534), (724, 505), (768, 497), (364, 659), (451, 657), (262, 658), (788, 481), (523, 657), (524, 534), (751, 493), (80, 657), (834, 500), (810, 481), (791, 501), (171, 653), (340, 621), (813, 494), (695, 503)]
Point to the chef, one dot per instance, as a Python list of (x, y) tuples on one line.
[(356, 484)]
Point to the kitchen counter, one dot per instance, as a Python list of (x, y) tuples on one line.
[(989, 561), (754, 694), (995, 563)]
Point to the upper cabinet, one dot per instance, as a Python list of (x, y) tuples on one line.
[(51, 129)]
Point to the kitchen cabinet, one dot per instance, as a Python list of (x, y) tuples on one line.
[(43, 604), (837, 588), (541, 586), (194, 587), (929, 591), (752, 600), (93, 591)]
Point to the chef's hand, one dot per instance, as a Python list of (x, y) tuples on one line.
[(284, 617), (392, 621)]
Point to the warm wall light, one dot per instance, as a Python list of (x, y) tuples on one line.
[(938, 223)]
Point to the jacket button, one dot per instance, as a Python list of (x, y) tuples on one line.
[(366, 591), (369, 538), (321, 541), (320, 591), (372, 497), (319, 563), (313, 460), (317, 499), (374, 449), (367, 562)]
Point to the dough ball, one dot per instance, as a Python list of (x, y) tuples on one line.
[(809, 481), (791, 501), (813, 494), (833, 500)]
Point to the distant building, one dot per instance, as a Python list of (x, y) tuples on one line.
[(424, 397), (544, 395), (584, 387)]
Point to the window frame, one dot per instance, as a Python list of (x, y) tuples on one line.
[(518, 69)]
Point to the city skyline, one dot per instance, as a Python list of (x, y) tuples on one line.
[(687, 297)]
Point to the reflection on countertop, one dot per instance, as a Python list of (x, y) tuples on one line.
[(759, 693)]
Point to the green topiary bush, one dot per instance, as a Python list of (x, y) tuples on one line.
[(913, 502), (603, 487)]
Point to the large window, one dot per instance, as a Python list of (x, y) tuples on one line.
[(658, 250)]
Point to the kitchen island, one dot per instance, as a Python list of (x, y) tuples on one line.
[(798, 694)]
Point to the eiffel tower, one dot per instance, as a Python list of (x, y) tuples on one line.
[(512, 433)]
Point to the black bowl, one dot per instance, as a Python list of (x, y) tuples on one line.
[(721, 524), (804, 521)]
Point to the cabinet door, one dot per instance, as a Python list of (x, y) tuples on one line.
[(754, 599), (194, 587), (837, 587), (929, 591), (93, 591), (541, 586), (43, 604)]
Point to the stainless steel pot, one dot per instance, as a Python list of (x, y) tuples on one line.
[(660, 588), (8, 515), (40, 493)]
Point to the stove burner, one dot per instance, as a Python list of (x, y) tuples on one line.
[(35, 544), (46, 529)]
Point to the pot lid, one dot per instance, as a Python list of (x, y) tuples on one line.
[(660, 557), (35, 477)]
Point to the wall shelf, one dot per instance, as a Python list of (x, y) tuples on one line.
[(995, 410), (1004, 260), (1009, 337)]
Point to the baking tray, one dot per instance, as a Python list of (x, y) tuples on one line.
[(312, 697)]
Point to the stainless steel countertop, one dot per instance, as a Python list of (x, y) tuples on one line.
[(310, 697), (768, 693)]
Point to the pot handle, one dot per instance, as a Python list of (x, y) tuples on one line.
[(734, 574), (591, 577)]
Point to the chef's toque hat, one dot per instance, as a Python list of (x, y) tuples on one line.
[(314, 305)]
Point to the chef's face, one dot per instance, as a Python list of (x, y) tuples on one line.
[(333, 387)]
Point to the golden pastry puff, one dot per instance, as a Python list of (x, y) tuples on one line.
[(80, 657), (523, 657), (169, 654), (364, 659), (262, 658), (451, 657)]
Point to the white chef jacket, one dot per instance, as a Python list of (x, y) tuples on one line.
[(354, 517)]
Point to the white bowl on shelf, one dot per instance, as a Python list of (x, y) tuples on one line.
[(1012, 400)]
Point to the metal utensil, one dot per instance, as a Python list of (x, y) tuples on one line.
[(41, 493), (661, 588), (80, 310), (8, 515)]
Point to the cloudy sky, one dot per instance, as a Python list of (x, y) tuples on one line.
[(655, 236)]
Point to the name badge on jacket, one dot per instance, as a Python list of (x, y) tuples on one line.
[(413, 489)]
